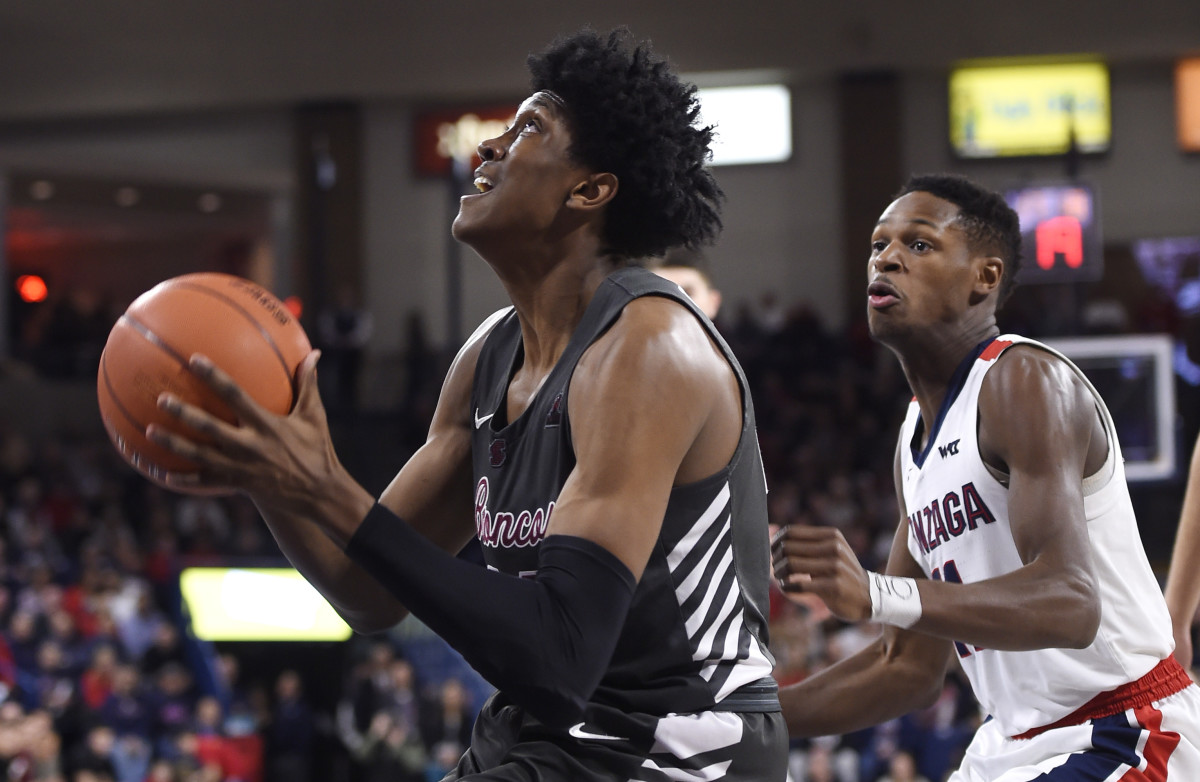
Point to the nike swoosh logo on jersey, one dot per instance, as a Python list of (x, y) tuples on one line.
[(481, 421), (578, 732)]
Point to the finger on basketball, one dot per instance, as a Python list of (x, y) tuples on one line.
[(308, 393), (195, 418), (243, 406), (177, 444)]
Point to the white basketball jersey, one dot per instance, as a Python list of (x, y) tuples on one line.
[(959, 531)]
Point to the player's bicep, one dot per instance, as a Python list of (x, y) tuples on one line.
[(1036, 420), (637, 404)]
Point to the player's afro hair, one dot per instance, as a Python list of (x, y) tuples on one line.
[(991, 224), (631, 116)]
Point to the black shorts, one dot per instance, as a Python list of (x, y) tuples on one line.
[(508, 746)]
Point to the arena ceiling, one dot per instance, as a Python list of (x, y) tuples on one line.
[(65, 58)]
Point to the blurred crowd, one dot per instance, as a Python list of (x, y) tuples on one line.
[(102, 681)]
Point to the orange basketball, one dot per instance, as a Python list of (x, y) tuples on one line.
[(245, 330)]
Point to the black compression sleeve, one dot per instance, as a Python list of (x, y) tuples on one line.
[(545, 641)]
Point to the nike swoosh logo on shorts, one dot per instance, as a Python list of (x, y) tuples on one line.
[(578, 732), (481, 421)]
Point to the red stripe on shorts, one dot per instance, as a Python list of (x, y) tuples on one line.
[(1166, 678), (1158, 749)]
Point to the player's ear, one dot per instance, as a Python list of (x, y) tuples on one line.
[(990, 273), (593, 192)]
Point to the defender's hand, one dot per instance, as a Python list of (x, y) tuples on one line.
[(818, 560)]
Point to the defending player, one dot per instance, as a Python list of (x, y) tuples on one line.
[(690, 270), (1018, 550), (597, 436)]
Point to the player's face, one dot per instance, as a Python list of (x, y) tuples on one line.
[(524, 180), (694, 284), (921, 273)]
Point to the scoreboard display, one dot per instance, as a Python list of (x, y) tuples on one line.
[(1060, 232)]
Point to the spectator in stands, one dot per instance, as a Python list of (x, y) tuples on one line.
[(343, 330), (442, 760), (391, 751), (95, 683), (23, 639), (291, 732), (126, 709), (139, 629), (131, 758), (30, 748), (162, 770), (53, 686), (165, 649), (903, 768), (448, 717), (172, 704)]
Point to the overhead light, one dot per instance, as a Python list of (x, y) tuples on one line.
[(209, 203), (41, 190), (753, 124), (127, 196)]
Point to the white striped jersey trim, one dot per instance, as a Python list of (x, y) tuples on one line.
[(716, 629)]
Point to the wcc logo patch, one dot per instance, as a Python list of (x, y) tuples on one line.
[(949, 449), (498, 452)]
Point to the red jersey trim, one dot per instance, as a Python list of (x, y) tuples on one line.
[(993, 351)]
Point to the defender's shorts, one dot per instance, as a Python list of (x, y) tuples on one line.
[(1158, 742)]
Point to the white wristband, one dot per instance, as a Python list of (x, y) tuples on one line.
[(894, 599)]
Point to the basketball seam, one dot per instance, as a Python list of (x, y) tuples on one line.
[(155, 340), (116, 400), (266, 335)]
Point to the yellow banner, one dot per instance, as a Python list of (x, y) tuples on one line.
[(258, 604), (1013, 110)]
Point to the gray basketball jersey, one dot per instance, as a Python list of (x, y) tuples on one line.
[(696, 631)]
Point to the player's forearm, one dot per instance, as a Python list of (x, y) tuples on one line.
[(1182, 591), (1035, 607), (545, 641), (360, 600), (831, 702)]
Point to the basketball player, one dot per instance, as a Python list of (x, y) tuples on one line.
[(1183, 576), (690, 271), (1017, 552), (598, 438)]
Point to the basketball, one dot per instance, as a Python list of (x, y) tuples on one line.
[(246, 331)]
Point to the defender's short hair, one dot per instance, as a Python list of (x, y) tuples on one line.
[(990, 223)]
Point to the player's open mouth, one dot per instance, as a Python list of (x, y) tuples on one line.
[(483, 184), (881, 294)]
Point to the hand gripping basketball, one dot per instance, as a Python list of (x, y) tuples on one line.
[(276, 459)]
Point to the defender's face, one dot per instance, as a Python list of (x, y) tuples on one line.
[(921, 271), (525, 178), (694, 284)]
